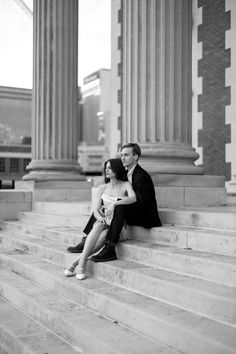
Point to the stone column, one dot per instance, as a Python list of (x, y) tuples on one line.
[(156, 83), (55, 91)]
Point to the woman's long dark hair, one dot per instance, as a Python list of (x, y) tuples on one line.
[(118, 168)]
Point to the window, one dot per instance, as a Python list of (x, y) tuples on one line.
[(14, 165), (2, 165)]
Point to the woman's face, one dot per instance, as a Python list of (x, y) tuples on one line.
[(108, 171)]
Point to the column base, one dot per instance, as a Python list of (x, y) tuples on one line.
[(53, 176), (173, 159), (173, 191), (54, 170)]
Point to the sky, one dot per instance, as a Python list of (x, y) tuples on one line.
[(16, 41)]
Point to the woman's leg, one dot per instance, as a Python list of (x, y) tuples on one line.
[(100, 241), (90, 242), (94, 242)]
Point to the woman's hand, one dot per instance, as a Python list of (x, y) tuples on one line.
[(110, 211), (102, 211), (101, 220), (99, 217)]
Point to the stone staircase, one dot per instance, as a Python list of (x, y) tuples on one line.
[(172, 290)]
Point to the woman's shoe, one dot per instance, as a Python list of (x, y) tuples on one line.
[(80, 274), (70, 271)]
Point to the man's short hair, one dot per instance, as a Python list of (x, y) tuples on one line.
[(135, 148)]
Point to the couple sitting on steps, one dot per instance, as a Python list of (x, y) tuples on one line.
[(127, 197)]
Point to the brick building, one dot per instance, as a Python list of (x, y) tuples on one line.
[(213, 82), (214, 86)]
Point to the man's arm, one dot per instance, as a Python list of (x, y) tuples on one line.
[(145, 191)]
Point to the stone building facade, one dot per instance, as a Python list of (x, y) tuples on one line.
[(151, 102), (15, 114), (214, 84), (213, 77)]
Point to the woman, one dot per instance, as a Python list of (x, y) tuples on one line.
[(116, 191)]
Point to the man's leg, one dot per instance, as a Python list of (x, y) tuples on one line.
[(80, 246), (117, 223)]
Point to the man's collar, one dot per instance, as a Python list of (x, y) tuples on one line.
[(132, 169)]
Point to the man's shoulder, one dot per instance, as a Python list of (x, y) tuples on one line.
[(140, 172)]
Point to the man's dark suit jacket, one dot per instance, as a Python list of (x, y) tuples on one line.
[(145, 208), (141, 213)]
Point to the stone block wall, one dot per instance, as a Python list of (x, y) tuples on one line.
[(215, 133), (14, 201)]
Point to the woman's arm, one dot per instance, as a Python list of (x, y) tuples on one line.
[(131, 196), (98, 203), (130, 199)]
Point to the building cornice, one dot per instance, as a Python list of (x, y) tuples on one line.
[(15, 93)]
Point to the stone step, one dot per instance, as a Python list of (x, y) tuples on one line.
[(215, 268), (177, 328), (201, 239), (207, 266), (75, 323), (3, 350), (210, 217), (21, 334), (216, 301), (48, 250), (54, 219), (62, 234), (213, 300), (69, 208), (190, 237)]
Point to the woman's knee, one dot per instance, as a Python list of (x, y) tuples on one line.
[(102, 235), (98, 227)]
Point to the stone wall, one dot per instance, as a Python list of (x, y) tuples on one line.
[(216, 58), (13, 201)]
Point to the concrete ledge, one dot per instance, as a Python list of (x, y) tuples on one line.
[(12, 202), (69, 195), (189, 190), (173, 191), (205, 196), (50, 191), (172, 197), (53, 185), (174, 180), (13, 196)]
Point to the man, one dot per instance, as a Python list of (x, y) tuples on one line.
[(141, 213)]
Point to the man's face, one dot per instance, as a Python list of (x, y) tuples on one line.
[(127, 157)]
